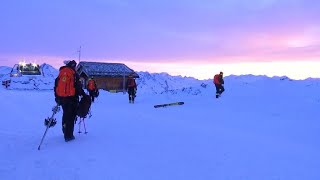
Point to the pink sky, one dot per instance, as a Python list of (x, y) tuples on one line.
[(174, 36)]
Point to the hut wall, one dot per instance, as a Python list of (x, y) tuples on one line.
[(109, 83)]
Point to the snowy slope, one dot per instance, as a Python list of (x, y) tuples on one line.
[(49, 71), (4, 72), (159, 83), (261, 128)]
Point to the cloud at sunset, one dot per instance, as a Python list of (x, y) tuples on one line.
[(161, 31)]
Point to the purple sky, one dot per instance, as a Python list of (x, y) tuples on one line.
[(208, 31)]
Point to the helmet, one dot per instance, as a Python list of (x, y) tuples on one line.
[(71, 63), (221, 73)]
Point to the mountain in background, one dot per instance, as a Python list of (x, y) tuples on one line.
[(4, 71), (162, 83)]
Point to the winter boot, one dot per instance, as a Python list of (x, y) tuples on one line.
[(69, 138)]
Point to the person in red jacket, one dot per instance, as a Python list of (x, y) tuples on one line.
[(219, 83), (92, 88), (131, 87), (67, 90)]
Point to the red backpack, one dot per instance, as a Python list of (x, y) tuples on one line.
[(131, 82), (216, 79), (66, 83)]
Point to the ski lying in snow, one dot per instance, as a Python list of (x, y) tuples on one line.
[(169, 104)]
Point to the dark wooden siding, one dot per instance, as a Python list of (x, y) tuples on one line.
[(109, 83)]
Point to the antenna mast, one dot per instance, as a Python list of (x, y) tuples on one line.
[(79, 51)]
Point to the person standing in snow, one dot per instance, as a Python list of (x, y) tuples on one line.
[(67, 90), (131, 88), (219, 83), (92, 88)]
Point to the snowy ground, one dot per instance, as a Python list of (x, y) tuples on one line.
[(258, 131)]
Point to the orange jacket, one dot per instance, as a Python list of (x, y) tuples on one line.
[(91, 85)]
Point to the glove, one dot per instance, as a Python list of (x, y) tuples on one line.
[(58, 101)]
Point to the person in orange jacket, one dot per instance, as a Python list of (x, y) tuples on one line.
[(131, 88), (219, 83), (68, 98), (92, 88)]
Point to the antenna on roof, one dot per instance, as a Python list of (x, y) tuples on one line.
[(79, 51)]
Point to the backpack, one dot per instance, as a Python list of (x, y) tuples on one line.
[(216, 79), (84, 106), (65, 85), (131, 82)]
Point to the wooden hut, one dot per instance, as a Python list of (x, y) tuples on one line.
[(108, 76)]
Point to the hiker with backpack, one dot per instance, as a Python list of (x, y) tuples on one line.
[(92, 88), (219, 83), (67, 90), (131, 87)]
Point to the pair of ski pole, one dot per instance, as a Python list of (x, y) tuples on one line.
[(84, 126)]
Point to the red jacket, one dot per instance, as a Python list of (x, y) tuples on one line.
[(217, 79), (91, 85)]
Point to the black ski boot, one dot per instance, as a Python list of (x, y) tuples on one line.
[(69, 138)]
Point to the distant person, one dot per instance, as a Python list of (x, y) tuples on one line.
[(67, 90), (92, 88), (131, 88), (219, 83)]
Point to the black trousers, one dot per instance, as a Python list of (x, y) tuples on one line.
[(92, 94), (132, 93), (68, 118), (219, 89)]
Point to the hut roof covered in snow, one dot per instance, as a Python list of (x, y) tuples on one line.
[(104, 69)]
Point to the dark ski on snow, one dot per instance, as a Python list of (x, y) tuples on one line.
[(169, 104)]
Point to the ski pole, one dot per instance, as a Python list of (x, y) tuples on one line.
[(84, 125), (79, 125)]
